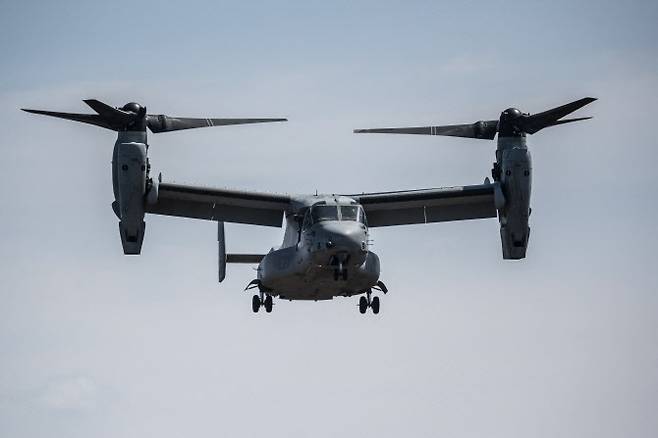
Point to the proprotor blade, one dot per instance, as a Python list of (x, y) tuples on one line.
[(91, 119), (106, 117), (535, 122), (113, 116), (562, 122), (482, 129), (103, 108), (162, 123)]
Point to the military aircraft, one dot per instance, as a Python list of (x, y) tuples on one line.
[(325, 251)]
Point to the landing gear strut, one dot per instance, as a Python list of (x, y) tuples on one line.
[(365, 302), (340, 272), (257, 301)]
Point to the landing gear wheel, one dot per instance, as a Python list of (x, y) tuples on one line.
[(363, 305), (375, 305), (268, 303), (255, 303), (336, 274), (344, 274)]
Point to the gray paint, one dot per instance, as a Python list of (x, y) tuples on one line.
[(512, 170), (331, 258)]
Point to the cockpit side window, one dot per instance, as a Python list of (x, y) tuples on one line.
[(321, 213)]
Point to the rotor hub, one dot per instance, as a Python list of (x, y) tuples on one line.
[(510, 123), (132, 107), (512, 113)]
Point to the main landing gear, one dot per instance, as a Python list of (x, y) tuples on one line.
[(365, 302), (260, 300), (257, 301)]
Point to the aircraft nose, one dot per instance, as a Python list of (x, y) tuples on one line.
[(343, 237)]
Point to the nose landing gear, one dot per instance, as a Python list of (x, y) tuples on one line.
[(365, 302), (340, 270), (340, 273)]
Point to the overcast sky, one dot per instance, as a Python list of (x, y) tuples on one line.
[(563, 343)]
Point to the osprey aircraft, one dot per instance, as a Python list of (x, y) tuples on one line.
[(326, 250)]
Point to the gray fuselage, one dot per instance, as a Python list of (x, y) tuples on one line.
[(324, 252)]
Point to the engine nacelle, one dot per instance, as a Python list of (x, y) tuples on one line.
[(514, 170), (129, 174)]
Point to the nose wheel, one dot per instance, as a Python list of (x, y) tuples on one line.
[(366, 302), (257, 301)]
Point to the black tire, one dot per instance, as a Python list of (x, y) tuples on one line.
[(268, 303), (375, 305), (255, 303), (363, 305), (344, 274)]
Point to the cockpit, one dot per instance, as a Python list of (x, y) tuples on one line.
[(344, 213)]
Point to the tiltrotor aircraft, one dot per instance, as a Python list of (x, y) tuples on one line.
[(325, 251)]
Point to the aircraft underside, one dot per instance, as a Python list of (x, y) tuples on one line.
[(299, 278), (290, 275)]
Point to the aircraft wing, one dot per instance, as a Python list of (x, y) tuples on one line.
[(429, 205), (220, 205)]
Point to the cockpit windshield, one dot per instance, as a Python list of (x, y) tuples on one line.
[(353, 213), (321, 213), (349, 212)]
